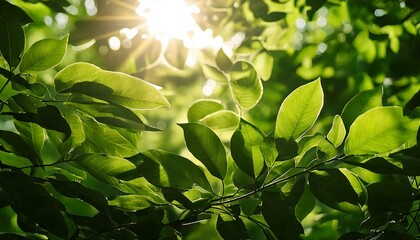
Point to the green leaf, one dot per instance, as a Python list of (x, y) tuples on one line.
[(176, 53), (299, 110), (14, 143), (105, 168), (221, 120), (164, 169), (77, 190), (263, 64), (43, 55), (280, 217), (34, 202), (11, 159), (213, 73), (336, 189), (337, 133), (361, 103), (11, 12), (13, 40), (206, 146), (130, 202), (102, 139), (114, 87), (305, 205), (113, 115), (380, 130), (245, 85), (246, 148), (202, 108), (389, 196), (231, 229), (32, 134), (286, 148), (222, 61)]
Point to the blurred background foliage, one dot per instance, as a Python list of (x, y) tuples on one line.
[(352, 45)]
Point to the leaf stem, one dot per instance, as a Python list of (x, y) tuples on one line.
[(222, 201)]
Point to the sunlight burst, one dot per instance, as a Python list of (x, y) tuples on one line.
[(167, 19)]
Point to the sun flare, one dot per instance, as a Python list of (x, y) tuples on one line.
[(168, 19)]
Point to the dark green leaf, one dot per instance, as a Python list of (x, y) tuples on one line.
[(77, 190), (246, 151), (172, 194), (286, 148), (165, 169), (206, 146), (389, 196), (12, 236), (149, 223), (32, 134), (13, 40), (34, 202), (12, 12), (274, 16), (14, 143), (280, 217), (231, 229), (336, 189)]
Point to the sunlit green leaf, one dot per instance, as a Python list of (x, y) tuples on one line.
[(202, 108), (263, 64), (222, 61), (118, 88), (213, 73), (299, 110), (361, 103), (44, 55), (245, 84), (113, 115), (221, 120), (165, 169), (206, 146), (105, 168), (246, 151), (176, 53), (337, 132), (380, 130), (102, 139), (130, 202)]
